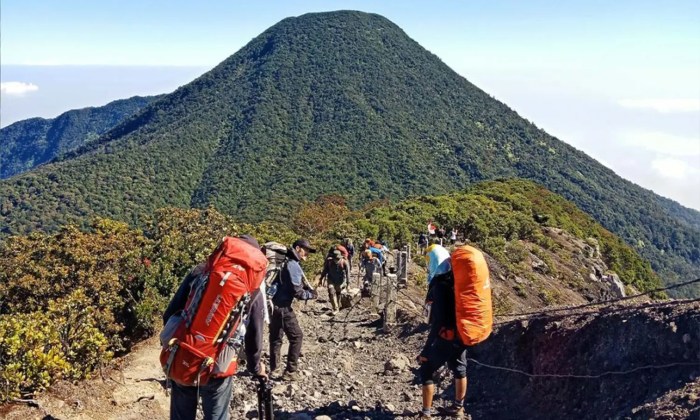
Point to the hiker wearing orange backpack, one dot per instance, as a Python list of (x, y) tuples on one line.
[(217, 308), (460, 318)]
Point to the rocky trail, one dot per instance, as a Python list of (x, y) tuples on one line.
[(638, 361)]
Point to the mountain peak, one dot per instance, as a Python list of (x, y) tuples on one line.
[(332, 103)]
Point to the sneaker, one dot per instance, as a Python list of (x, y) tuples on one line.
[(455, 411), (291, 376), (423, 415)]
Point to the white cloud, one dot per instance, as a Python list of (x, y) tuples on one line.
[(664, 106), (673, 168), (664, 143), (17, 88)]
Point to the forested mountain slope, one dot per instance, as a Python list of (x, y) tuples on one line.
[(29, 143), (339, 102)]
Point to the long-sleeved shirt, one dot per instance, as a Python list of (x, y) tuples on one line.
[(442, 311), (291, 283)]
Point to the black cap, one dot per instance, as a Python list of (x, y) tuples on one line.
[(250, 240), (304, 243)]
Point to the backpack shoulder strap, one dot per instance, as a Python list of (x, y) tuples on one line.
[(197, 287)]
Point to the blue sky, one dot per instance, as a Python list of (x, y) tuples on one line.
[(619, 80)]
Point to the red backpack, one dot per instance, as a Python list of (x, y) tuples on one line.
[(202, 341), (342, 250)]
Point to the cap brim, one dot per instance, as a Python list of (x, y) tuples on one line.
[(311, 250)]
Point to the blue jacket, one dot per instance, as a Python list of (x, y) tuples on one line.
[(378, 252)]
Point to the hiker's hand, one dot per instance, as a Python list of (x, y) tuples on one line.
[(421, 359), (261, 373)]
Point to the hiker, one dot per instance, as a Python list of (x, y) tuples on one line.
[(382, 246), (372, 260), (438, 259), (431, 229), (461, 317), (216, 393), (441, 347), (441, 235), (422, 243), (370, 263), (337, 270), (453, 236), (367, 244), (283, 318), (351, 251)]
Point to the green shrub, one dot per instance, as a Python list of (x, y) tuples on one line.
[(31, 354)]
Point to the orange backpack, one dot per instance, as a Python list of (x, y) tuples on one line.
[(472, 285), (202, 341)]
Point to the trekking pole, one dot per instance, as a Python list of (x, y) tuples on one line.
[(360, 271), (265, 403), (305, 281), (306, 284)]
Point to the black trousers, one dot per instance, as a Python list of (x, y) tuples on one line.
[(285, 321), (452, 352)]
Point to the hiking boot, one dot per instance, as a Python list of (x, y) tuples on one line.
[(423, 415), (291, 376), (455, 411), (275, 374)]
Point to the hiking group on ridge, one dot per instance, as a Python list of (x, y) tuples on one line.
[(222, 305)]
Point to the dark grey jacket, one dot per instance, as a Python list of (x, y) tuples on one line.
[(291, 283)]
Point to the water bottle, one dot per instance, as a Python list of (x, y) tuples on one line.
[(239, 335), (272, 290), (426, 311)]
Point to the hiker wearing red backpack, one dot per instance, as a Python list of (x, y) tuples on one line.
[(217, 307), (461, 317), (284, 321)]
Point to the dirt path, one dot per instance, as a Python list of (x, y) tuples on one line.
[(132, 390), (342, 365)]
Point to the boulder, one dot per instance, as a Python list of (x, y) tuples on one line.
[(617, 288)]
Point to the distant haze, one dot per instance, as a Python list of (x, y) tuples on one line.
[(48, 91)]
